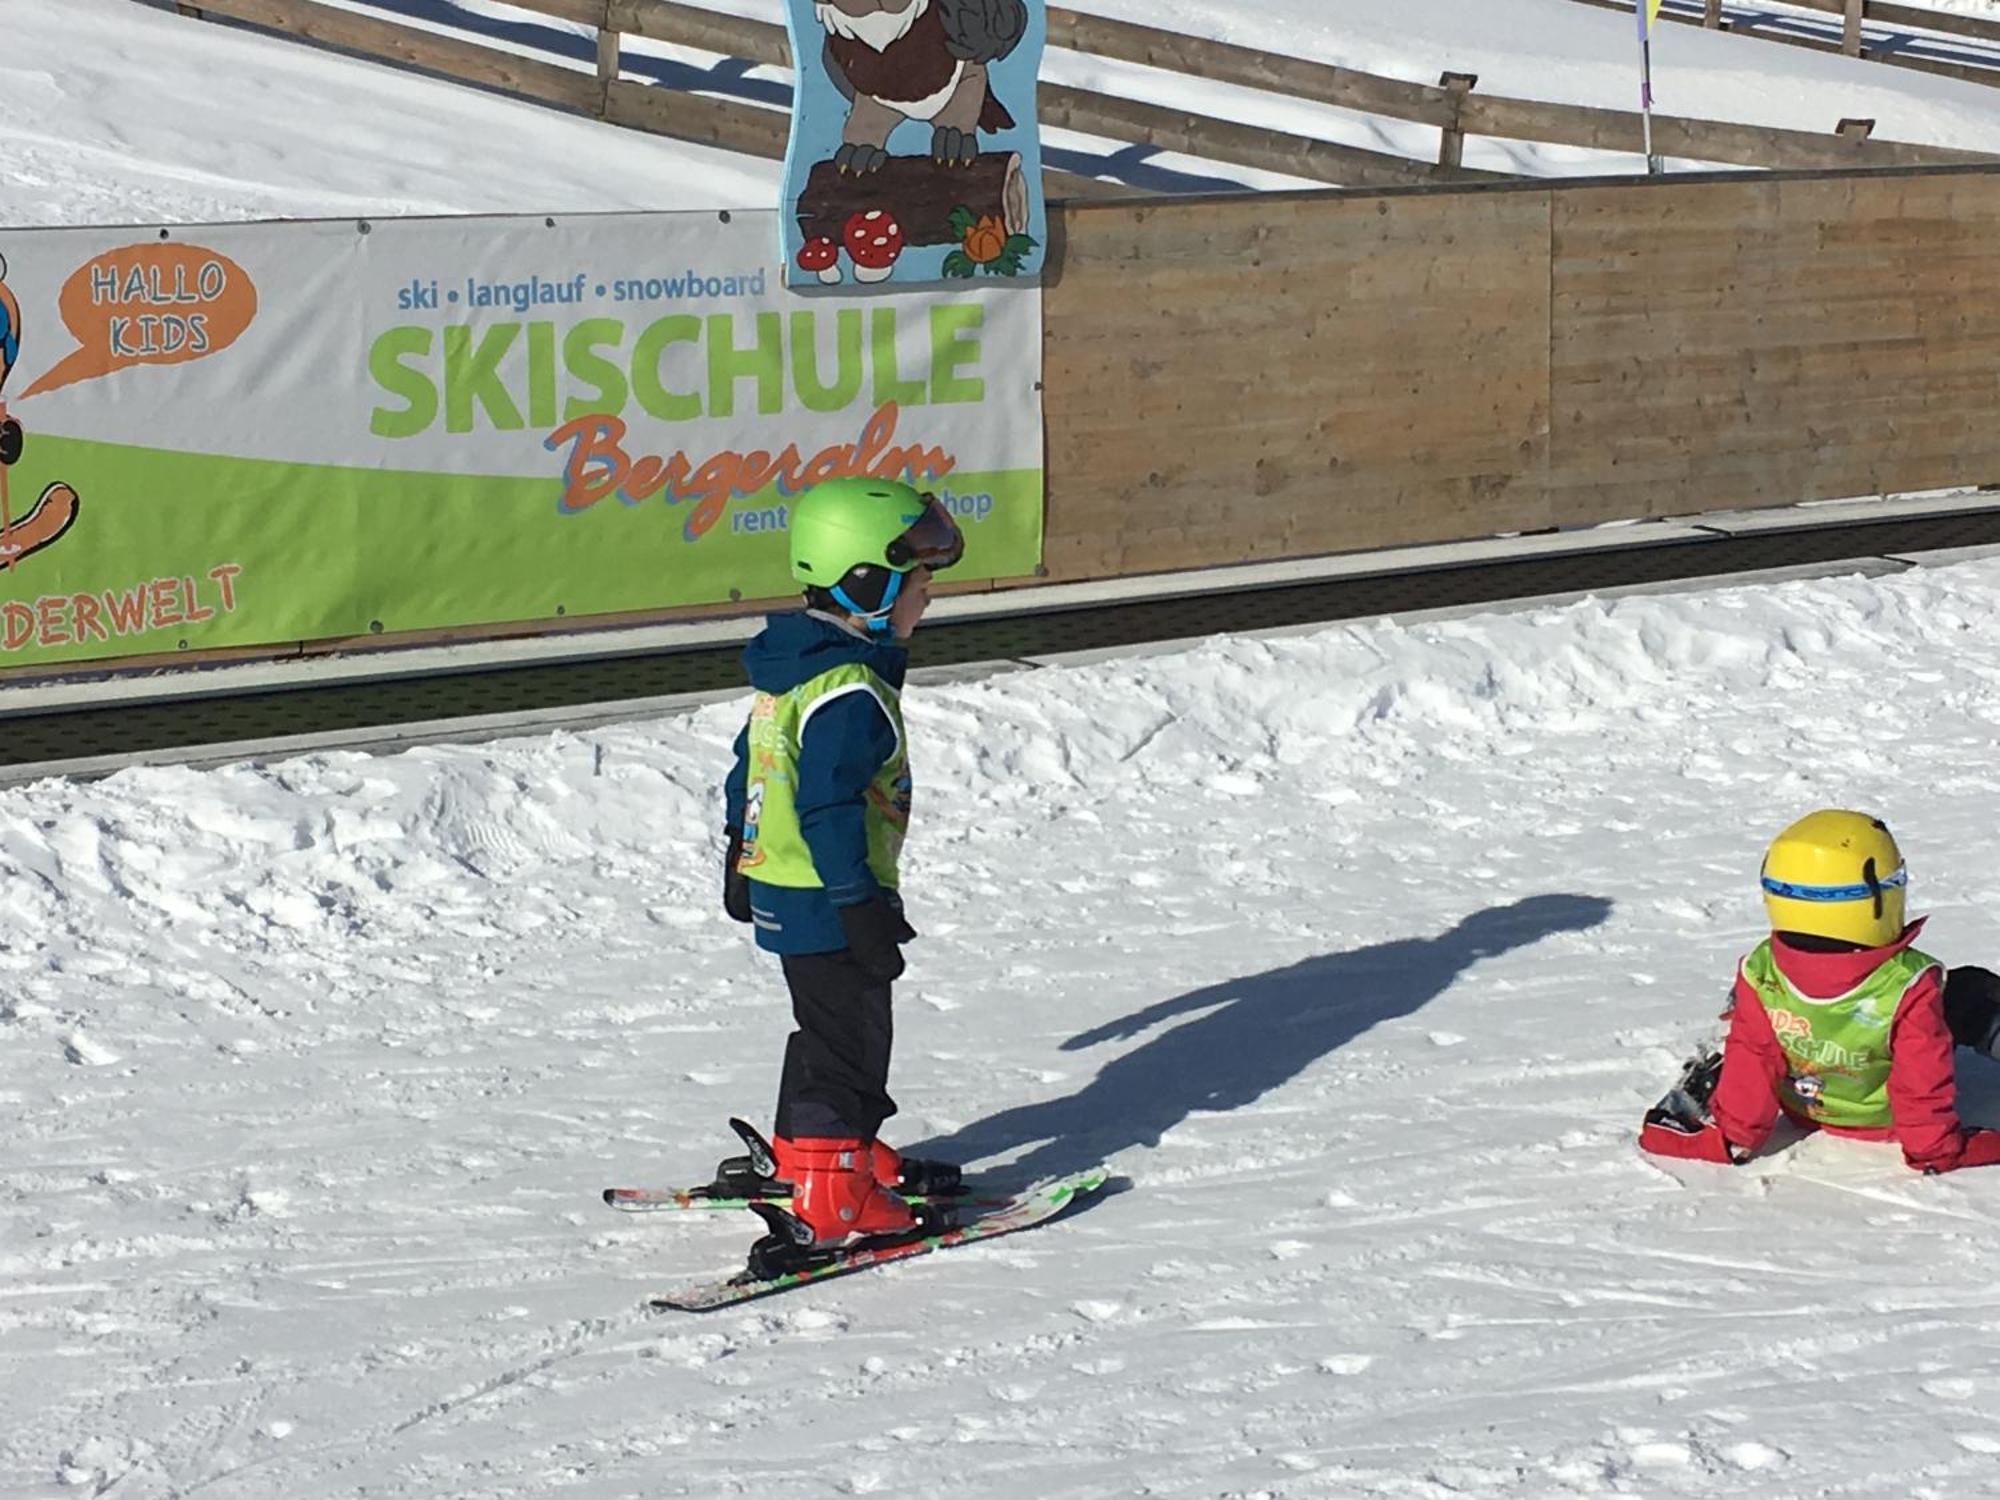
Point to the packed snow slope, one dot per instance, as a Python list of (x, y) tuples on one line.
[(1359, 952), (1562, 52), (112, 111)]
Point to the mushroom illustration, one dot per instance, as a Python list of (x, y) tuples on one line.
[(874, 239), (822, 256)]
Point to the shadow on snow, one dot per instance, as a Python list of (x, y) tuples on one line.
[(732, 78), (1259, 1032)]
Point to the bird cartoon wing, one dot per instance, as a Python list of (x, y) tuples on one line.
[(835, 72), (983, 31)]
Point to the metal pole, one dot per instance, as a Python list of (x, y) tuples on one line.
[(1654, 166)]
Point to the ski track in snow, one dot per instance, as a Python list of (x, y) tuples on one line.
[(1358, 951)]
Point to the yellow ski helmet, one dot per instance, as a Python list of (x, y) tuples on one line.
[(1836, 874)]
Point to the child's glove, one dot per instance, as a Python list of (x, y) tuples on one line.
[(1982, 1148), (1680, 1124), (735, 884), (1666, 1136), (1978, 1148), (874, 930)]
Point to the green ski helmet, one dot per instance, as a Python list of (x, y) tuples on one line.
[(854, 539)]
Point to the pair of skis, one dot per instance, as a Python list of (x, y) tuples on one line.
[(949, 1220)]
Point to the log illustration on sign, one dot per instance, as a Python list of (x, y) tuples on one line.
[(914, 153)]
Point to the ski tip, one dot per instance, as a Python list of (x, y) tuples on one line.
[(1076, 1184), (1079, 1186)]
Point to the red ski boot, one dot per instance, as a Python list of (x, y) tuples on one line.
[(835, 1194)]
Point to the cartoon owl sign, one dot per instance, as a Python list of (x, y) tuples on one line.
[(915, 156)]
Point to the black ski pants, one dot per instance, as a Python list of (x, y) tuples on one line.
[(836, 1077)]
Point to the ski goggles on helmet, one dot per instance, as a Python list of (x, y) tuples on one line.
[(1870, 887), (933, 542)]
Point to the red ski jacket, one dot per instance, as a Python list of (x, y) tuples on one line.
[(1923, 1086)]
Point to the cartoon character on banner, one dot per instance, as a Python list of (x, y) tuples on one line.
[(915, 154), (55, 511)]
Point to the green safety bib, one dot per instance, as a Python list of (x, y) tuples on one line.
[(774, 846), (1837, 1050)]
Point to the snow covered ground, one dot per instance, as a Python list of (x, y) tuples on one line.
[(112, 112), (1358, 951)]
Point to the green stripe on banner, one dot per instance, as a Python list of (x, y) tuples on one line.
[(169, 551)]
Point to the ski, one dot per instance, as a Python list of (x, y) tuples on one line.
[(1684, 1107), (1036, 1206), (641, 1200)]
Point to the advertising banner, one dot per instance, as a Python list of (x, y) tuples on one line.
[(229, 435)]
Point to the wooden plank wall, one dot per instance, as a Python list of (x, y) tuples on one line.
[(1251, 379), (1763, 342), (1248, 378)]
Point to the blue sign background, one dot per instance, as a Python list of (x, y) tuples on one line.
[(819, 115)]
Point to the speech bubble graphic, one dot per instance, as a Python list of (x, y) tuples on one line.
[(149, 304)]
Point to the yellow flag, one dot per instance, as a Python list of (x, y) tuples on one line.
[(1649, 12)]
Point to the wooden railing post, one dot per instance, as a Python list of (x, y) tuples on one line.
[(1451, 145), (1850, 37), (1711, 14), (607, 55)]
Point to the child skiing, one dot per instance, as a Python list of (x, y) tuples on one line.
[(818, 802), (1836, 1019)]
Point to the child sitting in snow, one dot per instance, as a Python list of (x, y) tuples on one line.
[(1836, 1019)]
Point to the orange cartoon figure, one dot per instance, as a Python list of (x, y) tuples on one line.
[(55, 511)]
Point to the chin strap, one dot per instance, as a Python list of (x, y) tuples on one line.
[(878, 622)]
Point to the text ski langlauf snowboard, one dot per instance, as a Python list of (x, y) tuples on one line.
[(1036, 1206)]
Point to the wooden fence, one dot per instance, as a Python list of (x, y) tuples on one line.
[(1248, 378), (1767, 26), (1453, 106)]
